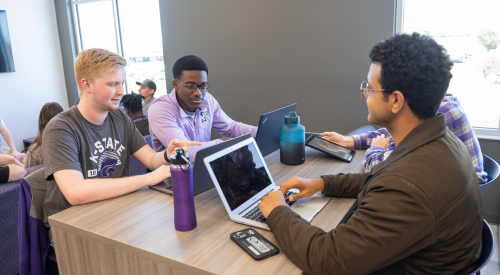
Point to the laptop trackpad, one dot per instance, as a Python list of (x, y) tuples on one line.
[(307, 208)]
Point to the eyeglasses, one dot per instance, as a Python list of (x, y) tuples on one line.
[(190, 87), (365, 88)]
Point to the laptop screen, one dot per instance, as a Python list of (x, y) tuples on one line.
[(241, 175)]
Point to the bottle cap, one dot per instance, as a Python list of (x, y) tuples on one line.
[(292, 118), (180, 158)]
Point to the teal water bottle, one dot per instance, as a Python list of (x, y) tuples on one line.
[(292, 140)]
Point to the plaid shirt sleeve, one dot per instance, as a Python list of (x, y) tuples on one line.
[(458, 124), (364, 141), (374, 156)]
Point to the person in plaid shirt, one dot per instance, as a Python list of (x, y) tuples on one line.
[(380, 143)]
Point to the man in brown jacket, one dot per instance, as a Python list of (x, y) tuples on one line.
[(420, 211)]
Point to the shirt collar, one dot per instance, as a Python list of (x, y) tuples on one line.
[(431, 129), (147, 101), (173, 97)]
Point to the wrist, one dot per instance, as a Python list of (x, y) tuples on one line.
[(320, 184), (165, 156), (349, 142), (151, 179)]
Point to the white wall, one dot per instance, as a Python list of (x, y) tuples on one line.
[(39, 76)]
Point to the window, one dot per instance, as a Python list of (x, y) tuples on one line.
[(127, 27), (470, 31)]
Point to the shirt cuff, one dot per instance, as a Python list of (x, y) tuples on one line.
[(330, 185), (375, 148), (277, 215), (361, 141)]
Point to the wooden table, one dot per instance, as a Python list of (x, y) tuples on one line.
[(135, 234)]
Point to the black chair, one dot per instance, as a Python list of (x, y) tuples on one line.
[(51, 263), (493, 169), (488, 247)]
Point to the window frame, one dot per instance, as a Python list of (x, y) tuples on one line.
[(116, 20), (481, 133)]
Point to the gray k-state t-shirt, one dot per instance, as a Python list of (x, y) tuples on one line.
[(98, 151)]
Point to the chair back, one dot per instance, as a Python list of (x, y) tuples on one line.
[(33, 236), (38, 187), (488, 246), (136, 167), (493, 169), (149, 140)]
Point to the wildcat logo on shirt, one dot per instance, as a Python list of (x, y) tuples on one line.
[(107, 156), (204, 116)]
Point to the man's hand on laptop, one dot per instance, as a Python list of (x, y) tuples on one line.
[(307, 187), (339, 139), (176, 143), (270, 201), (159, 174)]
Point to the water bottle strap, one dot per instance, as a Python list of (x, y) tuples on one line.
[(187, 161)]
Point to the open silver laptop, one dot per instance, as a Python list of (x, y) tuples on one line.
[(242, 178)]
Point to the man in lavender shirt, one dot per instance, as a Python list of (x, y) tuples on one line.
[(189, 112)]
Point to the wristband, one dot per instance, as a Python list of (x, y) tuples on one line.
[(165, 156)]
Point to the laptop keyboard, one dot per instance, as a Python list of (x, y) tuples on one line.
[(257, 216)]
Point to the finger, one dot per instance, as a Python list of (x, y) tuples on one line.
[(278, 193), (289, 184), (188, 143), (297, 196), (382, 136)]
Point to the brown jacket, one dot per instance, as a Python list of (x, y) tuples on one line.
[(419, 212)]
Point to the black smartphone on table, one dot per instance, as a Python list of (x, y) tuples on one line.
[(254, 244), (330, 148)]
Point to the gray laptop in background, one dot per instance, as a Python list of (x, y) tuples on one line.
[(201, 178), (268, 135)]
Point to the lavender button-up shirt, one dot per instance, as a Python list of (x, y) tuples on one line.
[(167, 120), (457, 123)]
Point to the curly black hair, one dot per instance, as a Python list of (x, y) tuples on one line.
[(188, 63), (133, 102), (416, 66)]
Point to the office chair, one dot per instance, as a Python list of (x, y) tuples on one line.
[(493, 169), (488, 247), (34, 238), (149, 140), (136, 167)]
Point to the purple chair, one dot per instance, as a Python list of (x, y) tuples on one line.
[(34, 241), (9, 196)]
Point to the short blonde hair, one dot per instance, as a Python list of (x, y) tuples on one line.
[(91, 64)]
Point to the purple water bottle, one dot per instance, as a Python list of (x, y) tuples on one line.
[(182, 187)]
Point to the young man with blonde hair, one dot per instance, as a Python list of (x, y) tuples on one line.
[(87, 148)]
